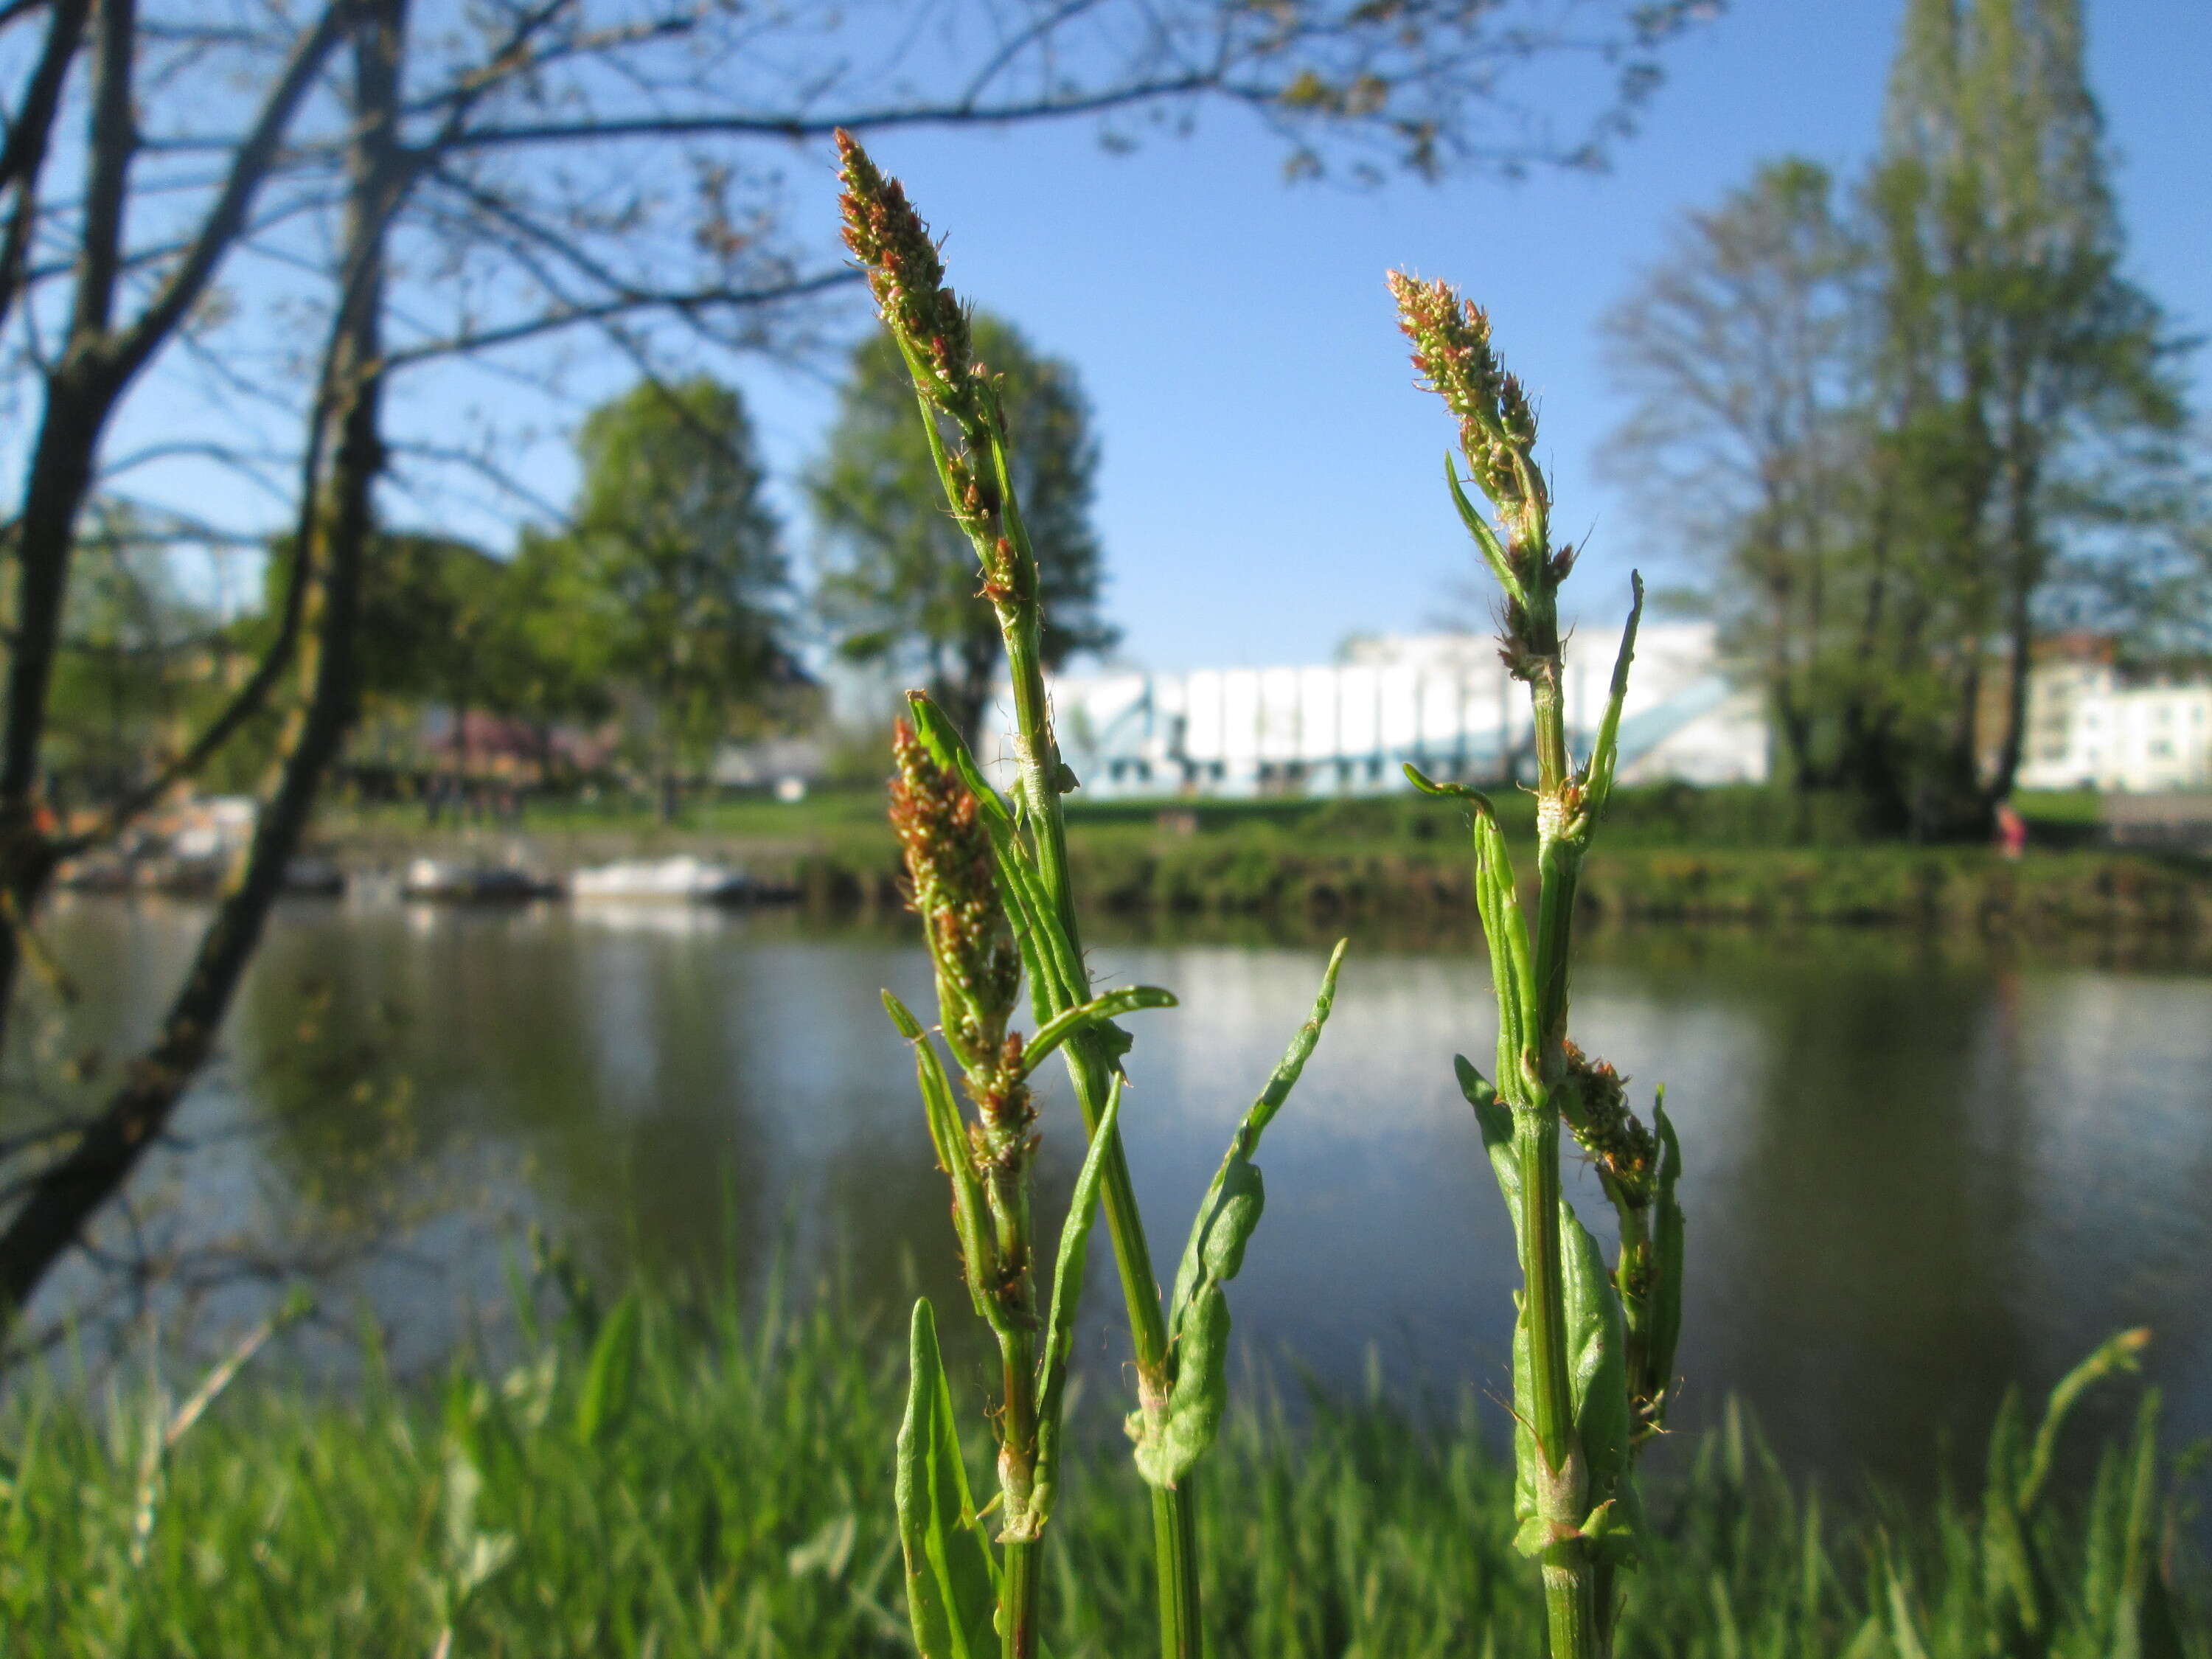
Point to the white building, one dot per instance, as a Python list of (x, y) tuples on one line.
[(1440, 701), (2090, 726)]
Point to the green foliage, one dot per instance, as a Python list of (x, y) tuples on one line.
[(742, 1510), (434, 615), (140, 663), (1060, 1323), (1172, 1436), (610, 1373), (1911, 427), (899, 582), (671, 578), (952, 1584), (1596, 1352), (559, 651)]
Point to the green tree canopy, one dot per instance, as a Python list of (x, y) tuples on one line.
[(674, 571), (433, 615), (899, 583), (1902, 428), (138, 657)]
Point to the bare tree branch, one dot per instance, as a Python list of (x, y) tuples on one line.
[(228, 216), (23, 159)]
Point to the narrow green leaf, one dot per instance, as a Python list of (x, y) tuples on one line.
[(1597, 1364), (1598, 774), (1498, 906), (2139, 1557), (1904, 1628), (1171, 1440), (1495, 1119), (950, 750), (1062, 1026), (943, 1112), (902, 1017), (952, 1582), (1060, 1323), (2011, 1581), (1246, 1141), (1428, 786), (1494, 552), (1284, 1076), (1511, 966), (1866, 1643), (611, 1375), (1058, 965), (949, 1136), (1666, 1250), (2121, 1352), (1598, 1379)]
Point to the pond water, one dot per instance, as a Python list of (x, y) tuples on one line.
[(1916, 1170)]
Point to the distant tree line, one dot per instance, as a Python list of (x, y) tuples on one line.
[(658, 607), (662, 610), (1910, 422)]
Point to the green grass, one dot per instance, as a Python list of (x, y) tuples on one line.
[(1668, 853), (722, 1487), (748, 817), (1670, 814)]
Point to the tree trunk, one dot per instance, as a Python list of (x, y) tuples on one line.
[(2022, 481), (63, 1199), (98, 362)]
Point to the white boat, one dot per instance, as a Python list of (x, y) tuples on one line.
[(683, 880)]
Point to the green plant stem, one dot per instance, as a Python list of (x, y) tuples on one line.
[(1017, 1598), (1571, 1611), (1175, 1521), (1175, 1546), (1570, 1573), (1569, 1590), (1017, 1430)]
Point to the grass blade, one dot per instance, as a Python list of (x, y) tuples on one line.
[(952, 1587)]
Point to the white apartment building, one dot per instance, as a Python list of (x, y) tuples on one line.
[(2091, 726), (1440, 701)]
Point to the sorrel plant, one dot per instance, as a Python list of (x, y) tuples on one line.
[(990, 878), (1593, 1350)]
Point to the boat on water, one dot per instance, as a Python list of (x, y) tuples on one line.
[(685, 879), (451, 882), (315, 876)]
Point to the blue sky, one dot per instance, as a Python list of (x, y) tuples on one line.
[(1270, 480)]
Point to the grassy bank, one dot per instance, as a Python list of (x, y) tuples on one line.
[(672, 1481), (1670, 853)]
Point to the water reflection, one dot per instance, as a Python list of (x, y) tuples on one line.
[(1916, 1172)]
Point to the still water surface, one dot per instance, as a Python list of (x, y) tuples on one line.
[(1916, 1171)]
